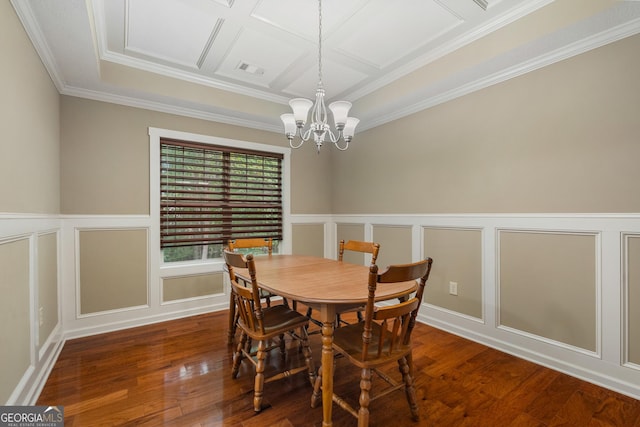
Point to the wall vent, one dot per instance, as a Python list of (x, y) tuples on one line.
[(251, 69)]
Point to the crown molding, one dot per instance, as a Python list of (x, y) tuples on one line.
[(195, 113), (581, 46), (26, 16), (457, 43)]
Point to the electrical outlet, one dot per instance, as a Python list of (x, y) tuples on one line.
[(41, 316), (453, 288)]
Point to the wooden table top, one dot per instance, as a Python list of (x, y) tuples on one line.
[(320, 280)]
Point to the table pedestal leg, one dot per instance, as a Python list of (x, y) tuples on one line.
[(327, 372)]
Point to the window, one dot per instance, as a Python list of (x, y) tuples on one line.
[(212, 193)]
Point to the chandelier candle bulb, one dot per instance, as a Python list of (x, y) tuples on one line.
[(350, 128), (289, 125), (300, 107), (340, 111)]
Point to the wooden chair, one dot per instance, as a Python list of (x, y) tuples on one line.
[(252, 245), (384, 336), (355, 246), (267, 326), (358, 246)]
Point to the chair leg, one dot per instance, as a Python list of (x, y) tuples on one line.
[(410, 390), (258, 389), (317, 389), (283, 346), (365, 398), (410, 363), (231, 332), (306, 351), (238, 355)]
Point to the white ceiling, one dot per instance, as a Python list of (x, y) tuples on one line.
[(390, 58)]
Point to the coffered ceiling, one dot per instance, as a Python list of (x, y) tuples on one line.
[(240, 61)]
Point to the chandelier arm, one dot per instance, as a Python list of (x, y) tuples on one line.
[(307, 134), (340, 148), (295, 146), (334, 137)]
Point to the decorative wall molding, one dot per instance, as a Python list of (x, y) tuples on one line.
[(28, 227), (608, 370), (605, 367), (598, 286)]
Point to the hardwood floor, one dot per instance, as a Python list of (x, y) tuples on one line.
[(178, 373)]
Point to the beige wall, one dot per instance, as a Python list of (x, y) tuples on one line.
[(29, 119), (395, 244), (192, 286), (308, 239), (105, 158), (559, 139), (548, 286), (105, 171), (457, 256), (15, 329), (29, 184), (47, 285), (113, 268)]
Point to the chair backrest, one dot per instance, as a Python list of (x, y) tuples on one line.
[(358, 246), (264, 244), (247, 297), (396, 321)]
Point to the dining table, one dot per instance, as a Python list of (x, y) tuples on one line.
[(325, 285)]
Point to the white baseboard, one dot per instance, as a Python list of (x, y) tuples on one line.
[(34, 379), (141, 321)]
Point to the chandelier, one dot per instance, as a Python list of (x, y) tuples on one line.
[(294, 123)]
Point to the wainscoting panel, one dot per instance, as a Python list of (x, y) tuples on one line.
[(112, 269), (15, 314), (114, 278), (395, 244), (594, 334), (548, 286), (459, 260), (48, 303), (632, 298), (30, 326), (560, 290), (192, 286)]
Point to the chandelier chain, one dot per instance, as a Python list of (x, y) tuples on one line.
[(320, 42)]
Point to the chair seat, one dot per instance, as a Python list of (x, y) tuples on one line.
[(348, 341), (278, 318)]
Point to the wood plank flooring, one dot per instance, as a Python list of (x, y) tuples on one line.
[(178, 373)]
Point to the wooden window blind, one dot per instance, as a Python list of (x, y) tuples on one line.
[(210, 194)]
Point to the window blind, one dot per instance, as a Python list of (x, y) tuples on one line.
[(210, 194)]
